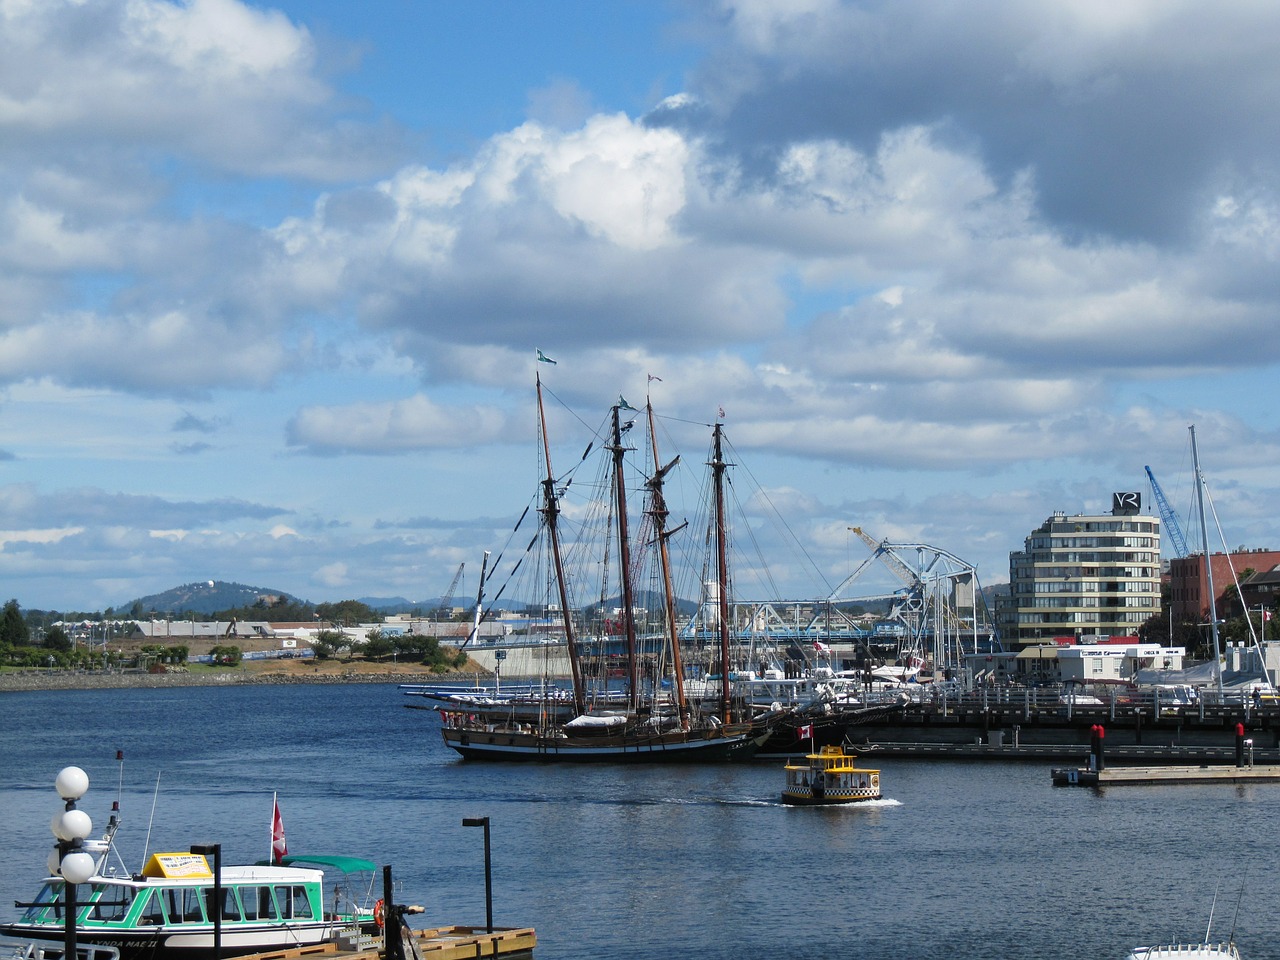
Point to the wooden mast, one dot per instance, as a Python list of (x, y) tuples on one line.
[(624, 558), (722, 572), (550, 513), (658, 510)]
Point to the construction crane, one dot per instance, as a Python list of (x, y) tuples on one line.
[(1168, 517), (446, 600), (929, 604), (882, 550)]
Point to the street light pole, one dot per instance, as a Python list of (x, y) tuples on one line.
[(214, 850), (69, 859), (488, 873)]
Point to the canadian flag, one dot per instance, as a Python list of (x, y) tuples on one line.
[(279, 850), (805, 732)]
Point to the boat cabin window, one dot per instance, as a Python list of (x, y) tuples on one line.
[(258, 903), (111, 903), (293, 902), (47, 898), (152, 910), (182, 904), (230, 908)]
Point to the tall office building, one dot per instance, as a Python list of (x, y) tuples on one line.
[(1086, 577)]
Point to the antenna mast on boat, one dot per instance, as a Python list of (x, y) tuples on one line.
[(722, 570), (550, 513), (1208, 566), (658, 511), (624, 558)]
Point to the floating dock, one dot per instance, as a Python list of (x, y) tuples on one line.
[(440, 943), (1098, 774), (1149, 776)]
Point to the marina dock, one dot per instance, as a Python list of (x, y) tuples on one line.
[(1146, 754), (1099, 774), (1149, 776), (439, 943)]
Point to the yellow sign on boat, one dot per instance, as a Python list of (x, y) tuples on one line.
[(177, 866)]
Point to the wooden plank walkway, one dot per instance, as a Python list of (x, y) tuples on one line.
[(1148, 776), (439, 943)]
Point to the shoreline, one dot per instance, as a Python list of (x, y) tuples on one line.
[(70, 680)]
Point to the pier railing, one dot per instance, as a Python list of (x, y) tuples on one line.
[(1112, 705)]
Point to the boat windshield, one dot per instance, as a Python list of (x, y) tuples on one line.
[(49, 896), (111, 902)]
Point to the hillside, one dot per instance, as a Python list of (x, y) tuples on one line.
[(205, 596)]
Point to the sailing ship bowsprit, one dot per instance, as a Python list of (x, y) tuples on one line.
[(657, 722)]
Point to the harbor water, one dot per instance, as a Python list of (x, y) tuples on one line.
[(961, 860)]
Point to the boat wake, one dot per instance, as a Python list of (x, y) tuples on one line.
[(880, 804)]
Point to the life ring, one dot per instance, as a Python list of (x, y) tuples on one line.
[(379, 913)]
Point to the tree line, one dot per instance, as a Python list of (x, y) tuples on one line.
[(37, 638)]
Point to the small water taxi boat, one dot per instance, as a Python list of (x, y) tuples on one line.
[(829, 777)]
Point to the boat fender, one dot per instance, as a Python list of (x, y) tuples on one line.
[(379, 913)]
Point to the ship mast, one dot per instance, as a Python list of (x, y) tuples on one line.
[(658, 510), (722, 571), (550, 512), (624, 558), (1208, 566)]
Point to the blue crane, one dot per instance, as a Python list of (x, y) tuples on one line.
[(1168, 517)]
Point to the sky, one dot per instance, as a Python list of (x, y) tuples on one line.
[(273, 275)]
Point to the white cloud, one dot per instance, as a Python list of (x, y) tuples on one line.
[(1008, 243), (332, 575), (394, 427)]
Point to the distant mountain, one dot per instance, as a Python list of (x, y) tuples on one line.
[(205, 596)]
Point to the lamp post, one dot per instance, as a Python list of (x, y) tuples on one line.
[(214, 850), (68, 859), (488, 873)]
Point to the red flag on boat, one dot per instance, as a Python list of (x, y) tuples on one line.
[(805, 732), (279, 849)]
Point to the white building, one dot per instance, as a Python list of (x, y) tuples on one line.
[(1085, 577)]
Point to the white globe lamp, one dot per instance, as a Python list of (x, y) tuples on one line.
[(71, 784), (75, 825), (77, 867)]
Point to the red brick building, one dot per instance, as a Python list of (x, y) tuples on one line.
[(1189, 586)]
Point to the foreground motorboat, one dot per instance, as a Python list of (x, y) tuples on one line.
[(177, 907), (167, 911)]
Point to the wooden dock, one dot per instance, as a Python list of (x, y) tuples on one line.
[(439, 943), (1149, 776)]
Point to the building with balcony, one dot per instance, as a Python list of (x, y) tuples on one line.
[(1085, 577)]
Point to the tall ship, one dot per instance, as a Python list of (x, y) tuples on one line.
[(656, 720)]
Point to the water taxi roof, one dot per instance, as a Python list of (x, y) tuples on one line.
[(345, 864)]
